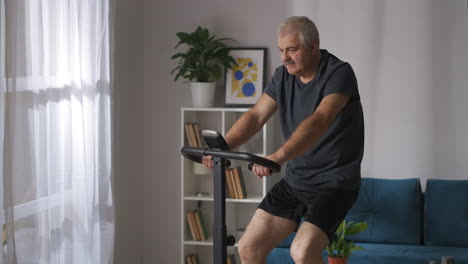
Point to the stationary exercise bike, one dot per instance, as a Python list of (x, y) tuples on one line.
[(221, 153)]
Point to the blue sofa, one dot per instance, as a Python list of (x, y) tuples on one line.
[(406, 226)]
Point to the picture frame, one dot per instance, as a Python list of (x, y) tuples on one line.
[(245, 82)]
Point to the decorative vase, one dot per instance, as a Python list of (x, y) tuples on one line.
[(202, 93), (200, 169), (337, 260)]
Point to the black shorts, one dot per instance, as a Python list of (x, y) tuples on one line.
[(324, 207)]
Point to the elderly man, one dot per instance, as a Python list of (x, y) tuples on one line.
[(317, 98)]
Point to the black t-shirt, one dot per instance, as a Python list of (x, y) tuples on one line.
[(335, 160)]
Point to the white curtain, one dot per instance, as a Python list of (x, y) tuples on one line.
[(55, 131)]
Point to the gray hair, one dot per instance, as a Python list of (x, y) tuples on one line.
[(301, 25)]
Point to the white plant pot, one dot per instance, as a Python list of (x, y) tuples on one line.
[(202, 93), (200, 169)]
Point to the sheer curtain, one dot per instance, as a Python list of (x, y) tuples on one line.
[(55, 131)]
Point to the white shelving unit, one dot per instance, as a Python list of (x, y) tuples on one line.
[(197, 189)]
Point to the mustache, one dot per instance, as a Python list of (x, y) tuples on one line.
[(287, 62)]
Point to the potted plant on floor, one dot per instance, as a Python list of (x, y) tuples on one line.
[(340, 248), (202, 64)]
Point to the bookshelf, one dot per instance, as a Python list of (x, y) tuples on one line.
[(197, 183)]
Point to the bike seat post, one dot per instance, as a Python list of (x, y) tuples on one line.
[(219, 225)]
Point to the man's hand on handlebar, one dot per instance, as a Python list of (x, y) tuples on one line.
[(261, 171), (208, 161), (258, 170)]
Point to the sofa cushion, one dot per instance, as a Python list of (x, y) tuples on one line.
[(446, 213), (385, 254), (392, 210), (405, 254), (283, 256), (288, 241)]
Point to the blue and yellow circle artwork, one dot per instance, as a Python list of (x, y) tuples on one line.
[(244, 78)]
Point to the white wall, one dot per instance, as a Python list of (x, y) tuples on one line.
[(411, 59)]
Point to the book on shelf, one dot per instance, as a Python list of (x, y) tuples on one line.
[(192, 133), (203, 224), (188, 135), (188, 259), (192, 259), (197, 130), (235, 186), (230, 184), (4, 234), (193, 226), (231, 259), (239, 183), (199, 226), (195, 259)]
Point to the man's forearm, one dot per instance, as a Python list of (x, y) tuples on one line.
[(303, 139), (243, 129), (308, 133)]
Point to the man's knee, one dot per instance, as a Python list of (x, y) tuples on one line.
[(298, 253), (263, 233), (308, 244), (301, 253), (250, 251)]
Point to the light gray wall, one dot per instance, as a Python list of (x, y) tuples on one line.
[(410, 58), (128, 131)]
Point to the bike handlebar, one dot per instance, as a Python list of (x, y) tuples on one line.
[(195, 154)]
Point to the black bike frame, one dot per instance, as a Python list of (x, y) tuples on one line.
[(220, 158)]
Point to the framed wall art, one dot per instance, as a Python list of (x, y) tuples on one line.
[(244, 82)]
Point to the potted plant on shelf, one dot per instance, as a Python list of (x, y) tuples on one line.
[(340, 248), (202, 64)]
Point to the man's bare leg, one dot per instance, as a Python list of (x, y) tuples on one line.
[(264, 232), (309, 244)]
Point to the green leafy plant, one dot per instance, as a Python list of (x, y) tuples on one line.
[(205, 59), (340, 247)]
